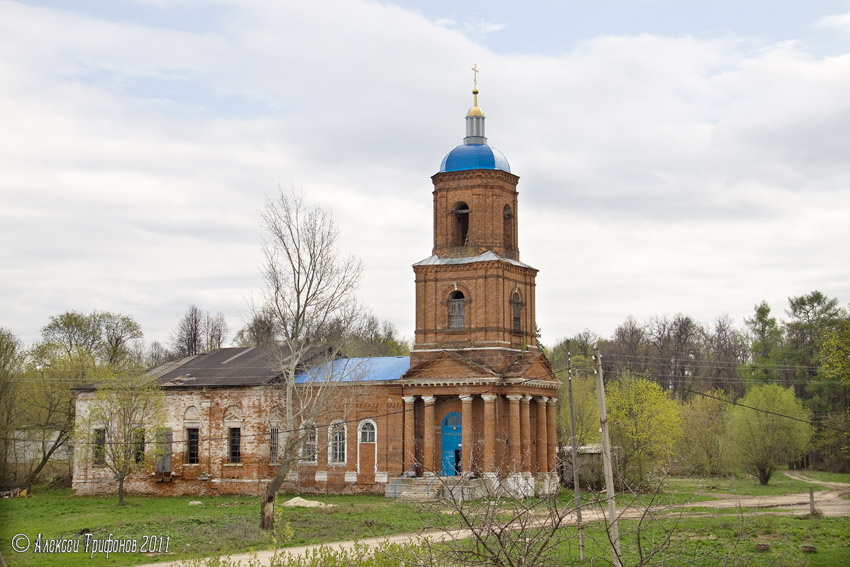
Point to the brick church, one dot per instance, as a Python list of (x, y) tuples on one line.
[(475, 399)]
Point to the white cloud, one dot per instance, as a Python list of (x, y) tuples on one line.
[(659, 174), (840, 22)]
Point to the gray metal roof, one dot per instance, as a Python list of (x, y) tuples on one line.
[(487, 256), (245, 366), (241, 367)]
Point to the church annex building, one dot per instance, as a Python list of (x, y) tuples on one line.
[(475, 398)]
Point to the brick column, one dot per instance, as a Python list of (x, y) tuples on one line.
[(514, 441), (428, 439), (489, 433), (525, 432), (409, 450), (542, 443), (466, 433), (552, 433)]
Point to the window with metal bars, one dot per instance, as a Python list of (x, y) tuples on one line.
[(234, 440), (274, 437), (192, 445)]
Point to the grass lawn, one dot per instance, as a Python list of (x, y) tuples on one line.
[(708, 541), (228, 525), (779, 484), (829, 476), (221, 525)]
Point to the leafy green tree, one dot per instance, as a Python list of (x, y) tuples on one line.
[(644, 425), (703, 433), (371, 337), (76, 348), (835, 354), (127, 410), (766, 336), (11, 359), (813, 317), (767, 429)]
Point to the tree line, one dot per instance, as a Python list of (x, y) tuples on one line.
[(696, 399)]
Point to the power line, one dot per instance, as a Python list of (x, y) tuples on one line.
[(765, 411)]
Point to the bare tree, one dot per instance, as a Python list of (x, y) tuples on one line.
[(187, 339), (309, 290), (214, 331), (198, 331), (260, 331), (157, 354)]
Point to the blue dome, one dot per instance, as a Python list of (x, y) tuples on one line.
[(474, 156)]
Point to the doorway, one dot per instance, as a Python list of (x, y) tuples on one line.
[(451, 434)]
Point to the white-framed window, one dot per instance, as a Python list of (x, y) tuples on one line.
[(368, 432), (308, 443), (336, 451)]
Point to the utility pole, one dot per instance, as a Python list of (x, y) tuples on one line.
[(613, 531), (574, 452)]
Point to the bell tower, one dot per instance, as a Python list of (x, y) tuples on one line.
[(473, 295)]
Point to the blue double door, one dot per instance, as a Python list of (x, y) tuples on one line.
[(451, 434)]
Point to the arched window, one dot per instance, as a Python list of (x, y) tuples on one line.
[(516, 311), (337, 448), (507, 227), (275, 422), (308, 442), (460, 226), (367, 432), (456, 310), (233, 423)]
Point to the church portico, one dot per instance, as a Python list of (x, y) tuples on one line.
[(478, 434)]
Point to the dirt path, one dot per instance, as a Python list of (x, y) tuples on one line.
[(829, 502)]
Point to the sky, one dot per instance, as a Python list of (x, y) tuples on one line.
[(674, 157)]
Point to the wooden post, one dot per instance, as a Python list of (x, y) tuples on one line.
[(574, 452), (606, 461)]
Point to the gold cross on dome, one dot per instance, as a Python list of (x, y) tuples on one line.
[(475, 75)]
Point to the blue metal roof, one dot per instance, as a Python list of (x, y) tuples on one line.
[(374, 369), (474, 156)]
